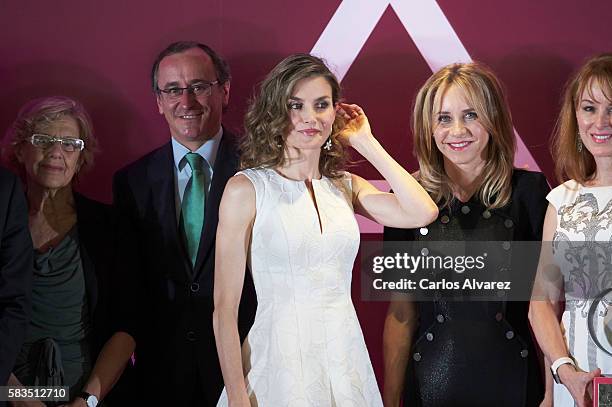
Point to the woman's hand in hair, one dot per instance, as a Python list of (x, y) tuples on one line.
[(357, 127)]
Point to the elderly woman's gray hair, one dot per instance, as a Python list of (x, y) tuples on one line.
[(41, 112)]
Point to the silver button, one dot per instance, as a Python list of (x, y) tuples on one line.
[(194, 287), (424, 251), (429, 336), (524, 353), (506, 245), (444, 219), (486, 214), (465, 209), (440, 318), (508, 223), (424, 231), (416, 356), (509, 334), (499, 316)]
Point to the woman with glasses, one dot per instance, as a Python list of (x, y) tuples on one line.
[(464, 351), (290, 214), (49, 144)]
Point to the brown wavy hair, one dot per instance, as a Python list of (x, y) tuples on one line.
[(267, 121), (484, 93), (578, 165)]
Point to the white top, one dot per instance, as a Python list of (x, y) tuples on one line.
[(306, 347), (583, 250)]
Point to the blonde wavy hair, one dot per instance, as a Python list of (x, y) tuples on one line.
[(267, 121), (579, 165), (484, 93)]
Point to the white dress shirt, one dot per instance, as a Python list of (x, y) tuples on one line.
[(182, 171)]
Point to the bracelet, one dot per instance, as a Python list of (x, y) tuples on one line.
[(557, 364)]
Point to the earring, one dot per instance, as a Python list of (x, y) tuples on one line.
[(328, 144), (579, 143)]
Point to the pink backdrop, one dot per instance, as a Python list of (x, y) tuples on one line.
[(101, 53)]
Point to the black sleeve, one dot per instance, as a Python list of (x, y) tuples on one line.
[(397, 235), (393, 235), (15, 272), (125, 279), (533, 194), (97, 245)]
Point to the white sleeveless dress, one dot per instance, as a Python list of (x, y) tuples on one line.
[(306, 347), (584, 226)]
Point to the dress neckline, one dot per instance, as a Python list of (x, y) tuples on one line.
[(595, 187), (281, 176), (578, 187)]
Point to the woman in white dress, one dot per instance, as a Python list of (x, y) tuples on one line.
[(289, 215), (578, 228)]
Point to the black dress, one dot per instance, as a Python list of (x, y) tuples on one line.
[(478, 353)]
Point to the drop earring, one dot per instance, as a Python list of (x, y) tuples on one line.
[(579, 143), (328, 144)]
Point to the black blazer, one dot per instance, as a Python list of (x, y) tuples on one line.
[(94, 222), (166, 303), (96, 243), (15, 271)]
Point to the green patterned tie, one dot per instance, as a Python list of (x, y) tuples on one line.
[(192, 207)]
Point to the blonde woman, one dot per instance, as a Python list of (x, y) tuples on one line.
[(451, 353)]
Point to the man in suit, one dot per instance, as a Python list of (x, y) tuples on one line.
[(15, 272), (167, 209)]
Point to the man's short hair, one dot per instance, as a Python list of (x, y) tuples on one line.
[(221, 67)]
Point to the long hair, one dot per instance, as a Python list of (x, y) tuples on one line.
[(578, 165), (267, 121), (485, 95), (44, 111)]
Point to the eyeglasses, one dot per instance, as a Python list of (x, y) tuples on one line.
[(68, 144), (197, 89)]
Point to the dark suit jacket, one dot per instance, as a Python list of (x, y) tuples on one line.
[(94, 221), (96, 241), (167, 304), (15, 271)]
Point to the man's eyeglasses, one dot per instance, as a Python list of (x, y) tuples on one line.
[(68, 144), (197, 89)]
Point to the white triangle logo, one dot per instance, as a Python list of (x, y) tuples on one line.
[(355, 20)]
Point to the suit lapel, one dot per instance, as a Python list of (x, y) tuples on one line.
[(225, 167), (161, 177)]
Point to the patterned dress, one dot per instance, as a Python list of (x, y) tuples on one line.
[(583, 250), (306, 347)]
